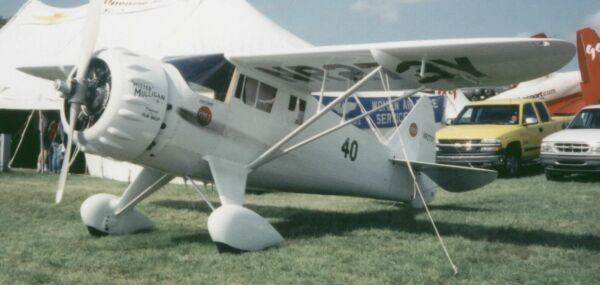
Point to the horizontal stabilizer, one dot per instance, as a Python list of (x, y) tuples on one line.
[(453, 178)]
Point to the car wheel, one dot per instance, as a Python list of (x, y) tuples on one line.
[(512, 165), (553, 176)]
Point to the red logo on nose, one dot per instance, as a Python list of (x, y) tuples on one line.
[(204, 116)]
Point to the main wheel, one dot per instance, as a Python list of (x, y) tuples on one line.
[(512, 164), (553, 176)]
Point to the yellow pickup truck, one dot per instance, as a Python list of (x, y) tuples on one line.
[(498, 134)]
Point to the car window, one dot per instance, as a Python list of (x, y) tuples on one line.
[(528, 112), (489, 114), (586, 119), (544, 116)]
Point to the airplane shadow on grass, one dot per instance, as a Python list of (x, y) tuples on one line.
[(298, 223)]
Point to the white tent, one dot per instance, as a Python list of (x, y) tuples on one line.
[(40, 34), (31, 36), (19, 91), (43, 35)]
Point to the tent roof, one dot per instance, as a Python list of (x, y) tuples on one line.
[(43, 35)]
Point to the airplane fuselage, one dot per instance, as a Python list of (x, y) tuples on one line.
[(239, 132), (559, 90)]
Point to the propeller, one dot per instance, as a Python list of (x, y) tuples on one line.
[(76, 94)]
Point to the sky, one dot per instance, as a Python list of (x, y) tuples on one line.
[(328, 22)]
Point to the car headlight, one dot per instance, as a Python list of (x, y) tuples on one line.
[(596, 148), (491, 141), (490, 148), (547, 147), (494, 145)]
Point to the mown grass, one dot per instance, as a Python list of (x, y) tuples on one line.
[(514, 231)]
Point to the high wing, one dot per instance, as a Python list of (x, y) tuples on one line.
[(48, 72), (435, 64)]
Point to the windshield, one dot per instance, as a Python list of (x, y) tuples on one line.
[(207, 74), (489, 114), (586, 119)]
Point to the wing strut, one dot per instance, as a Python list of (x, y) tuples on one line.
[(269, 154), (164, 179), (325, 72), (418, 188), (200, 193)]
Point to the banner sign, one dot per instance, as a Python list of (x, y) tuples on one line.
[(382, 118)]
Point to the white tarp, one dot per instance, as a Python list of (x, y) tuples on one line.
[(108, 168), (117, 170)]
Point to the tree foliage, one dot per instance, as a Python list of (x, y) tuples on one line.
[(2, 22)]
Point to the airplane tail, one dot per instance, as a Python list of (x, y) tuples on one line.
[(455, 100), (416, 135), (588, 54)]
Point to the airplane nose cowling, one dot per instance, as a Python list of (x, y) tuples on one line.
[(126, 113)]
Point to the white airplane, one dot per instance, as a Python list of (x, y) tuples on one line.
[(567, 92), (250, 121)]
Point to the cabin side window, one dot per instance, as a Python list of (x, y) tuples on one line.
[(255, 93), (301, 104), (293, 103)]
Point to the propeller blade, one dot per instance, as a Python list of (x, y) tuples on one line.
[(89, 35), (62, 180)]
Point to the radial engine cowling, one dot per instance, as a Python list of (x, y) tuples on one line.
[(126, 101)]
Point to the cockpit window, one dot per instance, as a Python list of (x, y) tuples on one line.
[(207, 75)]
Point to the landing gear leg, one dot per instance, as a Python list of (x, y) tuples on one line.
[(105, 214), (231, 226)]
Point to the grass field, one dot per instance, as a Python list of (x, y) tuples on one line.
[(514, 231)]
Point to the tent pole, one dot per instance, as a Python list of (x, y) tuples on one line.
[(41, 129), (21, 139)]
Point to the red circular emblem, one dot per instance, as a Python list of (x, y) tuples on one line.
[(204, 116), (413, 130)]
